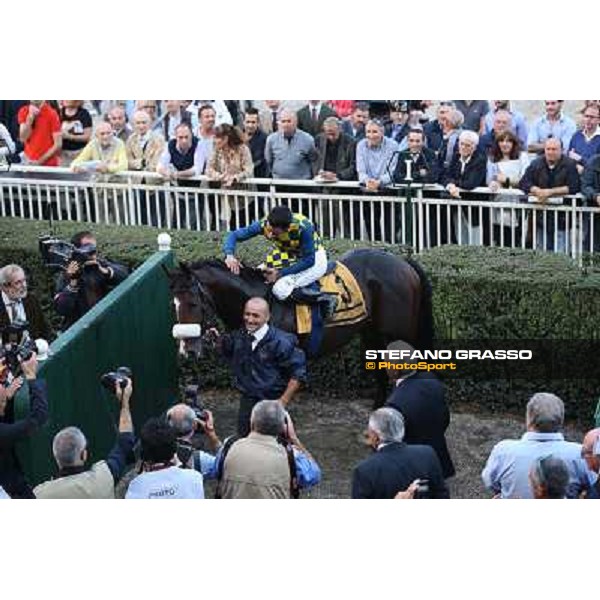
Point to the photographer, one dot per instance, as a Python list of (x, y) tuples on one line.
[(271, 463), (11, 432), (187, 424), (161, 477), (86, 280), (70, 451)]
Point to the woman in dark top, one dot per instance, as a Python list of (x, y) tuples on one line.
[(76, 129)]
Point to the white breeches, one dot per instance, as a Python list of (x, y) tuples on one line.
[(284, 286)]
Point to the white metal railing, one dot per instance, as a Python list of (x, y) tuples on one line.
[(417, 215)]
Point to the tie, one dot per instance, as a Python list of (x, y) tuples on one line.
[(14, 315), (274, 120), (315, 116)]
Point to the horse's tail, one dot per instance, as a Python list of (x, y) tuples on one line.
[(426, 333)]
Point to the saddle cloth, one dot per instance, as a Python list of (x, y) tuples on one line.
[(350, 307)]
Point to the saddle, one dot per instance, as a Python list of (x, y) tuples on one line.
[(350, 306)]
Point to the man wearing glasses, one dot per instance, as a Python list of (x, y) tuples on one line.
[(18, 305)]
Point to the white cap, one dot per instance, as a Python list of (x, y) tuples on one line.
[(164, 242)]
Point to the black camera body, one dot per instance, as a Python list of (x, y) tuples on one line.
[(16, 346), (57, 253), (116, 378), (191, 397)]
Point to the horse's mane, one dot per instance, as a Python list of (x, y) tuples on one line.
[(249, 274)]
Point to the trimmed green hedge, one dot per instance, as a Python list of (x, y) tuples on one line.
[(479, 293)]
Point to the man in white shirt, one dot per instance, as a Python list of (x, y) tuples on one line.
[(163, 477)]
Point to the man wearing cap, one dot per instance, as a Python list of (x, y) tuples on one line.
[(266, 361), (297, 260)]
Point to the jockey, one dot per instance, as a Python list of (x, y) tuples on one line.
[(297, 260)]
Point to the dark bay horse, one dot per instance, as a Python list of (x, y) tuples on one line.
[(396, 291)]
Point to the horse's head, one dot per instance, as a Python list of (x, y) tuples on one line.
[(193, 307)]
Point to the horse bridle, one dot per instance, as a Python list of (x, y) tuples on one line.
[(209, 317)]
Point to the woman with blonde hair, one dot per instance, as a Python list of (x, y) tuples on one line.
[(229, 164)]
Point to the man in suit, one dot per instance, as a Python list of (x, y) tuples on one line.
[(18, 305), (424, 164), (312, 116), (419, 397), (395, 465)]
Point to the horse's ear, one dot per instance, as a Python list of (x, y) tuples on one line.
[(185, 267)]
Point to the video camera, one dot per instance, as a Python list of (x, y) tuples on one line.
[(16, 345), (57, 253)]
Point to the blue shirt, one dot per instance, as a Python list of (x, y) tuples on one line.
[(507, 468), (518, 125), (542, 129), (376, 162), (584, 147)]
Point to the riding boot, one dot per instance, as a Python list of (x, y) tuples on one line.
[(327, 301)]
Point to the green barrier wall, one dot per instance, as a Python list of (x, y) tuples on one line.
[(129, 327)]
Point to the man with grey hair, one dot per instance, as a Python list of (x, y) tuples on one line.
[(70, 449), (270, 462), (290, 152), (549, 478), (20, 305), (506, 472), (395, 465)]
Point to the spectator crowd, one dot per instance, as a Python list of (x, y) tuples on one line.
[(465, 145)]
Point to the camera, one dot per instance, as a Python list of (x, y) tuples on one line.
[(16, 346), (57, 253), (191, 397), (422, 492), (116, 378)]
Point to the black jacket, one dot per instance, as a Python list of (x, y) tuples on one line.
[(346, 157), (420, 399), (93, 286), (424, 170), (38, 326), (538, 174), (393, 468), (11, 474), (473, 175), (257, 145), (590, 180), (263, 373)]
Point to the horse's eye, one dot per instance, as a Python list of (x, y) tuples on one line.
[(192, 304)]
